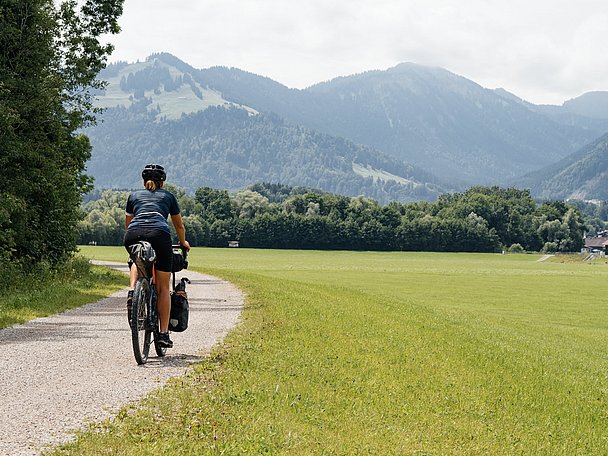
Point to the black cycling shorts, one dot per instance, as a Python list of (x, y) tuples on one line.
[(161, 243)]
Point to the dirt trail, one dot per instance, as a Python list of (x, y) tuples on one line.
[(59, 373)]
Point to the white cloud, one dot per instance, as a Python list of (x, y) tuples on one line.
[(544, 51)]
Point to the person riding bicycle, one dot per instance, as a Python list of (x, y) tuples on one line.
[(146, 220)]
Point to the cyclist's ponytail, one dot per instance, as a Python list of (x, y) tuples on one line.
[(153, 185)]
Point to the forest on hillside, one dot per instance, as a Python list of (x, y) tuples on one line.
[(481, 219), (425, 117), (230, 148), (581, 175)]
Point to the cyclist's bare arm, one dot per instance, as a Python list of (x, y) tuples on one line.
[(178, 224), (128, 218)]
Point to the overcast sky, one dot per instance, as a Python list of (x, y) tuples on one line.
[(546, 51)]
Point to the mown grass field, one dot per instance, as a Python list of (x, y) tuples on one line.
[(387, 353)]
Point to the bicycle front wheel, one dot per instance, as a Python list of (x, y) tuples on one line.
[(141, 333)]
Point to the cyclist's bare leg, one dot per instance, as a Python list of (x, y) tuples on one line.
[(133, 275), (163, 281)]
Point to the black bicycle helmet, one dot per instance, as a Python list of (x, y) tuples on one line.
[(154, 173)]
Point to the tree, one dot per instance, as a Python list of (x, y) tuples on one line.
[(49, 58), (574, 221), (104, 222), (214, 204), (250, 204), (560, 227), (197, 230), (516, 248), (220, 232)]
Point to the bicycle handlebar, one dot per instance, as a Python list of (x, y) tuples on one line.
[(179, 246), (184, 254)]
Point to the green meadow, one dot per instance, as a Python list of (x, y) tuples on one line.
[(387, 353)]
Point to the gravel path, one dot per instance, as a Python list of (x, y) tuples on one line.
[(61, 372)]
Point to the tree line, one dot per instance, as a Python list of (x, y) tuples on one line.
[(481, 219), (50, 56)]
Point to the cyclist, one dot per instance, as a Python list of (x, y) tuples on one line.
[(146, 220)]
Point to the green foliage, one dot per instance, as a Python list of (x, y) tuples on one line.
[(214, 204), (104, 222), (248, 204), (150, 78), (550, 247), (561, 227), (197, 229), (48, 289), (481, 219), (594, 213), (516, 248), (277, 193), (50, 57)]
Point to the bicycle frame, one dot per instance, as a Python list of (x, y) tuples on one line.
[(145, 331)]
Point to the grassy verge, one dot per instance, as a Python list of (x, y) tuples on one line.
[(49, 292), (388, 353)]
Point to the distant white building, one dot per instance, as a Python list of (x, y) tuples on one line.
[(597, 243)]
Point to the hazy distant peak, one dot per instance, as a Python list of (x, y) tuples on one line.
[(168, 58), (590, 104), (237, 73), (408, 67), (408, 75), (508, 95), (590, 95)]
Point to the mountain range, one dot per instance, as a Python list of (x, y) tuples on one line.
[(582, 176), (410, 132)]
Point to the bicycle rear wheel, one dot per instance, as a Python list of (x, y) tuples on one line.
[(141, 333)]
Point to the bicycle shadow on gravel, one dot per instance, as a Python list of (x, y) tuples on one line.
[(172, 361)]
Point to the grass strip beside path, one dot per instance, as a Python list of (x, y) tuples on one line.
[(388, 353), (51, 293)]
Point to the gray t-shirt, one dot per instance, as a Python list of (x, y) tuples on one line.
[(151, 209)]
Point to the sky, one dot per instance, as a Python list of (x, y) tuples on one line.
[(545, 51)]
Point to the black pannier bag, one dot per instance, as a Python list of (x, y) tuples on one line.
[(179, 261), (143, 255), (180, 309)]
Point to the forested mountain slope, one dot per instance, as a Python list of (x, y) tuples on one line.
[(450, 124), (430, 117), (583, 175), (233, 148), (437, 121)]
